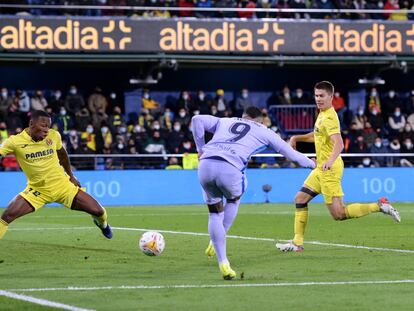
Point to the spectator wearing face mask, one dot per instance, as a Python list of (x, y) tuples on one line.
[(145, 118), (148, 103), (242, 102), (73, 141), (374, 100), (187, 146), (202, 102), (284, 97), (369, 134), (185, 101), (122, 132), (407, 132), (183, 118), (376, 120), (167, 119), (407, 147), (300, 98), (104, 139), (115, 119), (357, 146), (213, 111), (63, 121), (360, 118), (5, 102), (139, 135), (394, 147), (175, 137), (38, 102), (396, 122), (379, 147), (220, 102), (391, 100), (156, 126), (23, 101), (82, 119), (56, 101), (119, 146), (155, 145), (74, 101), (366, 163), (90, 137)]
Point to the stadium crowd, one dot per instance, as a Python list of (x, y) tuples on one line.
[(96, 124), (262, 4)]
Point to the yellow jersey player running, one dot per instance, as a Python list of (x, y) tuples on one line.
[(44, 161), (326, 178)]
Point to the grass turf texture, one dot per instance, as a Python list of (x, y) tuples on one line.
[(65, 256)]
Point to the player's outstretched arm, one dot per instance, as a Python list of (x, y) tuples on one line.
[(201, 124), (306, 138), (64, 161), (282, 147)]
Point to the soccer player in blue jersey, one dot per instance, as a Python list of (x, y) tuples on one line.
[(44, 161), (221, 171)]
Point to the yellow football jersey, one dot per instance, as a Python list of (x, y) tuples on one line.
[(326, 125), (38, 160)]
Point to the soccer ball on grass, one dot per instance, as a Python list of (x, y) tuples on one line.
[(152, 243)]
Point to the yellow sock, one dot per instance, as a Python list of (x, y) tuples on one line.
[(102, 219), (301, 219), (3, 228), (356, 210)]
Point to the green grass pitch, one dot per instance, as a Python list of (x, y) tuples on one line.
[(59, 256)]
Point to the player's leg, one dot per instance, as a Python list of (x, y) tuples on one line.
[(333, 195), (309, 190), (86, 203), (18, 207), (207, 175), (340, 211), (232, 183)]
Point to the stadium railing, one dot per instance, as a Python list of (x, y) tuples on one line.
[(318, 12), (294, 118), (160, 161)]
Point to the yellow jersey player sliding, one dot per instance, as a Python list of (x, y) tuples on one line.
[(44, 161), (326, 177)]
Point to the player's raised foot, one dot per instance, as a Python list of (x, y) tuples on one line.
[(386, 207), (107, 231), (210, 251), (289, 247), (227, 272)]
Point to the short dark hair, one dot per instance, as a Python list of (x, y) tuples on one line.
[(36, 114), (253, 112), (325, 85)]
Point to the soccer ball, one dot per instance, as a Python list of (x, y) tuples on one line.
[(152, 243)]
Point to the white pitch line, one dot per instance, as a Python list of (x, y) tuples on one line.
[(229, 236), (42, 302), (273, 240), (184, 286)]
